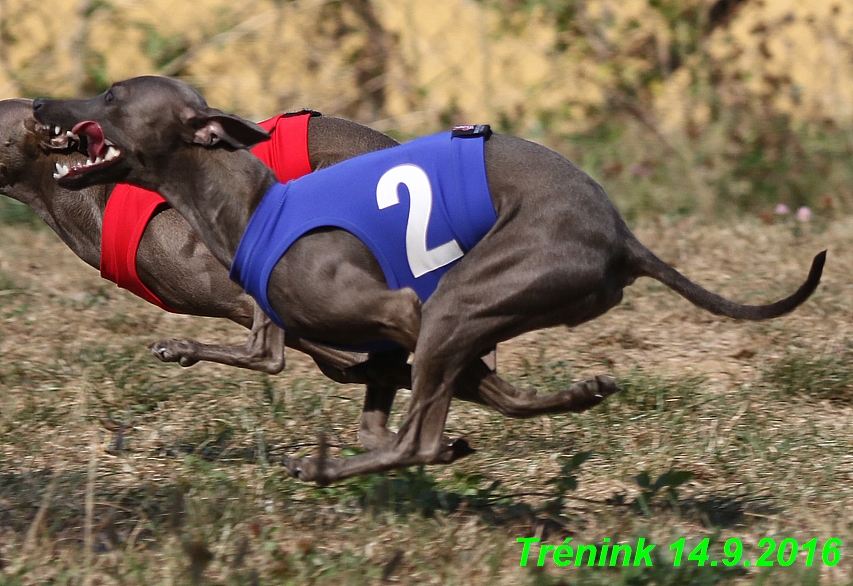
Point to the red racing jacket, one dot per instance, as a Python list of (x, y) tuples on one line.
[(130, 208)]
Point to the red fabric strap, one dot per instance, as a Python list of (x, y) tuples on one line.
[(128, 212), (130, 208), (286, 153)]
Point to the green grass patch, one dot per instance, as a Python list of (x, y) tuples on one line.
[(822, 375), (646, 392), (6, 282), (14, 213)]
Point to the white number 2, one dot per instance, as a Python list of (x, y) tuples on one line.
[(421, 260)]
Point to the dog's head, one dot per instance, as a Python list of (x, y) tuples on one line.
[(138, 125), (30, 151)]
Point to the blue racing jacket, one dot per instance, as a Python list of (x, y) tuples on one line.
[(419, 207)]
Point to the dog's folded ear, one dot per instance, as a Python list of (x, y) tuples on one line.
[(221, 129)]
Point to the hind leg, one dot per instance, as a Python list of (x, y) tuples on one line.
[(420, 439), (496, 292), (480, 385)]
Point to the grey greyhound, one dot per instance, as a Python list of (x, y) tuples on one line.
[(557, 254), (175, 264), (180, 270)]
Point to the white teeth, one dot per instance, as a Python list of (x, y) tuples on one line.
[(56, 130), (61, 171)]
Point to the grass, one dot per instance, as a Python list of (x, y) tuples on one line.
[(720, 432), (14, 213), (734, 166), (823, 375)]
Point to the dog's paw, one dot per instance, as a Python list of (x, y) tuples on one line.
[(606, 386), (307, 469), (592, 392), (173, 351), (457, 449), (293, 467)]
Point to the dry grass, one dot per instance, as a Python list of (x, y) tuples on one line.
[(181, 484)]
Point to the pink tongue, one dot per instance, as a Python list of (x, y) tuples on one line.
[(97, 144)]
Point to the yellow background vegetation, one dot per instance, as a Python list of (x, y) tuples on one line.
[(676, 106), (449, 59)]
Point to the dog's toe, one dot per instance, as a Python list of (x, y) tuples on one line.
[(293, 467), (606, 386), (186, 361), (164, 351), (309, 469), (173, 351), (454, 449), (160, 352), (590, 393)]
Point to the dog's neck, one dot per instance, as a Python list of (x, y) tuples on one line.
[(75, 216), (216, 191)]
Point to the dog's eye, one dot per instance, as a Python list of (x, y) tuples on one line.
[(109, 97)]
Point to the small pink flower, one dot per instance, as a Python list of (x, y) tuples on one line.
[(804, 214), (782, 209), (642, 170)]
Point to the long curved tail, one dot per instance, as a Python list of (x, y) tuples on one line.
[(647, 264)]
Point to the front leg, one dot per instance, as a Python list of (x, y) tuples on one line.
[(373, 429), (373, 432), (447, 343), (419, 441), (263, 350)]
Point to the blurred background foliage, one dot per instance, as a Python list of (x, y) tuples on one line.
[(675, 106)]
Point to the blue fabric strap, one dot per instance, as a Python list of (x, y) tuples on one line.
[(456, 202)]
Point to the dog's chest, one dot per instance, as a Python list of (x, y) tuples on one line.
[(419, 207)]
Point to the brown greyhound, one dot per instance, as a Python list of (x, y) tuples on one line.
[(558, 253)]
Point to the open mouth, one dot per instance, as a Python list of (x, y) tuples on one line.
[(100, 151), (59, 139)]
